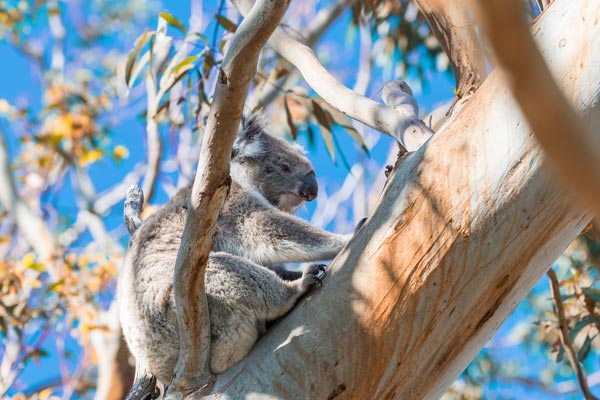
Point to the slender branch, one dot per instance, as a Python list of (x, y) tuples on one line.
[(58, 32), (265, 94), (363, 76), (32, 226), (564, 336), (323, 20), (452, 25), (210, 189), (153, 140), (570, 144), (401, 125)]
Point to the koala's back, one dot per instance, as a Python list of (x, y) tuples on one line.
[(236, 292), (234, 289)]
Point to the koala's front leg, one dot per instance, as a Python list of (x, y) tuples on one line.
[(283, 302), (280, 237)]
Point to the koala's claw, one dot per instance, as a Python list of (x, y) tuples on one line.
[(313, 276), (359, 225)]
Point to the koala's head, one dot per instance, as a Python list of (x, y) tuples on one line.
[(272, 167)]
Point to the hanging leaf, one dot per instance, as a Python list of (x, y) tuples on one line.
[(342, 120), (585, 348), (593, 293), (138, 68), (324, 120), (199, 36), (288, 117), (342, 156), (225, 23), (561, 354), (186, 61), (53, 287), (582, 323), (208, 63), (133, 54), (171, 20), (311, 137)]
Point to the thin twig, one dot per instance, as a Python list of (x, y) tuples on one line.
[(564, 336)]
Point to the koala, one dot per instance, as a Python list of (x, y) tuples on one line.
[(255, 231)]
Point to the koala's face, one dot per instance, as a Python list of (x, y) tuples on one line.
[(276, 169)]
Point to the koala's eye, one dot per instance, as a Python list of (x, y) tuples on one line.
[(285, 168)]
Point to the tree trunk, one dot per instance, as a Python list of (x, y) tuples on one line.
[(464, 229)]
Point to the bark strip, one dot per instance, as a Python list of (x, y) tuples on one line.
[(210, 189)]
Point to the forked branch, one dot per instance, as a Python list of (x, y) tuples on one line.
[(210, 189), (399, 123)]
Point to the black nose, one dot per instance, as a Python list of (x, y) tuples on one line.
[(309, 187)]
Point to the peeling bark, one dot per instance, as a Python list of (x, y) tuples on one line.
[(454, 28)]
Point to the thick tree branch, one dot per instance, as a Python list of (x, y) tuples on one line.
[(571, 145), (210, 189), (564, 336), (452, 25), (393, 121), (464, 229)]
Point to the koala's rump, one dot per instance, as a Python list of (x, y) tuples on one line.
[(233, 287)]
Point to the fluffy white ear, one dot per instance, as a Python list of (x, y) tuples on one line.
[(247, 142)]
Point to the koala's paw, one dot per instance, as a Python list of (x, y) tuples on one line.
[(312, 276)]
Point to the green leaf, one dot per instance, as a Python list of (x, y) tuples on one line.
[(342, 120), (183, 63), (288, 117), (582, 323), (199, 36), (593, 293), (311, 137), (138, 67), (325, 120), (225, 23), (133, 54), (171, 20), (585, 348), (561, 354), (36, 266), (55, 285)]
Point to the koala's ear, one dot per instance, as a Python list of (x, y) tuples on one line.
[(247, 139)]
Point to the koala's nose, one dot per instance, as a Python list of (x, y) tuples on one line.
[(309, 187)]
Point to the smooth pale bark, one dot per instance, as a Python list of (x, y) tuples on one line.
[(210, 188), (453, 26), (570, 143), (464, 229)]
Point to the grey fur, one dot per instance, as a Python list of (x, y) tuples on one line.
[(254, 230)]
